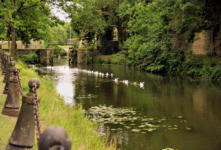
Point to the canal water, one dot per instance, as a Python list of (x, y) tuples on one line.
[(162, 114)]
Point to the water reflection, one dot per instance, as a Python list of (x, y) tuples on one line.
[(64, 78), (198, 103), (65, 86)]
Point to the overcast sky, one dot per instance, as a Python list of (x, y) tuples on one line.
[(60, 14)]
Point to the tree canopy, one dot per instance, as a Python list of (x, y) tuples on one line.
[(24, 20)]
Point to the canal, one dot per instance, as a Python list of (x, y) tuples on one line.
[(161, 113)]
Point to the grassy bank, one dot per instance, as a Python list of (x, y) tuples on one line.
[(118, 58), (54, 112)]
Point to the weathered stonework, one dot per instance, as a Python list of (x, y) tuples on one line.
[(202, 43), (45, 55), (217, 42), (82, 56), (207, 42)]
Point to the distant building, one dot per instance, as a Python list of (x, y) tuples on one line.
[(20, 45)]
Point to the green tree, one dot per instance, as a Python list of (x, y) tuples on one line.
[(59, 34), (24, 20), (153, 28)]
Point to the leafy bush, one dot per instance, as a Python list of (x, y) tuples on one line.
[(153, 28), (59, 51), (202, 67), (30, 59)]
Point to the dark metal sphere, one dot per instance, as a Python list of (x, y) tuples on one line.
[(34, 82), (54, 138)]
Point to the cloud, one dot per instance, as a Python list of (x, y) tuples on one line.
[(61, 14)]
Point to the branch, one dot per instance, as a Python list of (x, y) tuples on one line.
[(3, 1), (21, 8)]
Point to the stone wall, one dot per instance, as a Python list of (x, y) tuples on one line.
[(46, 57), (217, 42), (20, 45), (26, 51), (201, 43), (207, 42), (82, 56)]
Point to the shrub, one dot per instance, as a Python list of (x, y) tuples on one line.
[(30, 58), (59, 51)]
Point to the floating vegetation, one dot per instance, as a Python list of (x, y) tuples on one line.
[(130, 120), (188, 128), (169, 149), (123, 117), (179, 117), (89, 96)]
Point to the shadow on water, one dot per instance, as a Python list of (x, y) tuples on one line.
[(186, 115)]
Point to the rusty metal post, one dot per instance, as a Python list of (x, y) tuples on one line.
[(23, 136), (1, 56), (8, 74), (54, 138), (11, 107), (4, 63), (9, 59)]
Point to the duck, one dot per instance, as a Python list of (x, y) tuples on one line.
[(141, 85), (125, 82), (134, 83), (112, 75), (96, 73), (107, 74), (102, 75), (116, 80)]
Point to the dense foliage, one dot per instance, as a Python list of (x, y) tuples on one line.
[(155, 35), (24, 20), (58, 51), (96, 21), (29, 59), (152, 45), (60, 33)]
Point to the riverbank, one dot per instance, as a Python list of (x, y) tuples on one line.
[(54, 112), (118, 58), (194, 67)]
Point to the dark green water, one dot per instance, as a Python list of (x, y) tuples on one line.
[(194, 109)]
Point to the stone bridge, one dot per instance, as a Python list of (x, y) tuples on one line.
[(81, 56), (45, 55)]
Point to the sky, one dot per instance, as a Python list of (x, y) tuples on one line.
[(60, 14)]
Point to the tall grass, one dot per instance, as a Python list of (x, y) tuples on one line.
[(6, 123), (53, 112)]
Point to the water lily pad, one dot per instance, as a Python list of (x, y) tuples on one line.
[(129, 119), (168, 149), (151, 125), (150, 129), (188, 128), (180, 117), (135, 130), (174, 128), (142, 126), (127, 127)]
